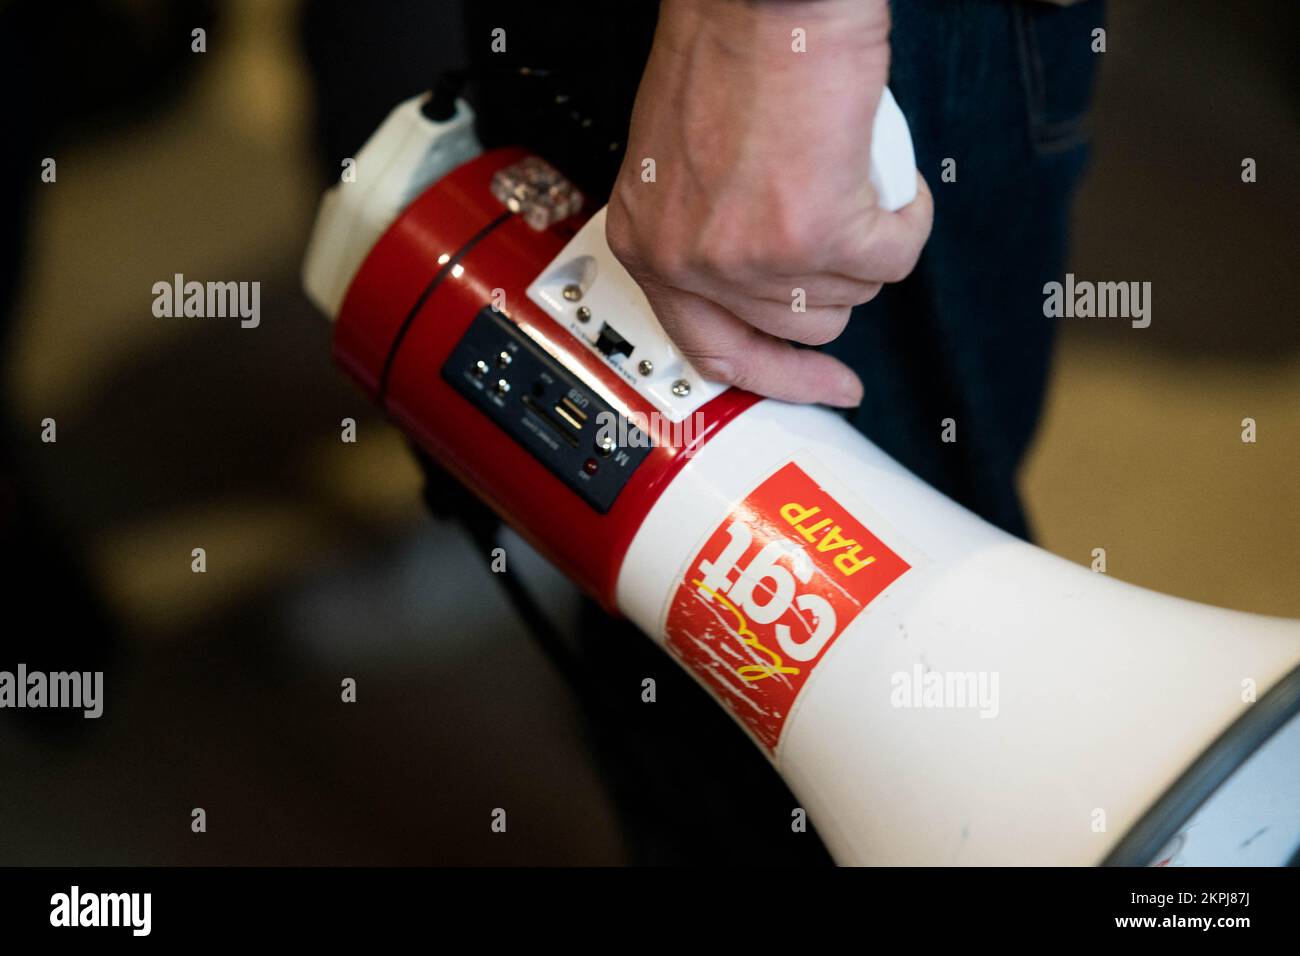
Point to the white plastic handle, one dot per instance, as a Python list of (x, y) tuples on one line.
[(893, 163)]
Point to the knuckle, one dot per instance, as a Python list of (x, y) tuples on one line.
[(724, 259), (901, 265), (824, 329), (796, 235), (665, 262), (645, 259), (619, 235), (800, 243), (869, 291)]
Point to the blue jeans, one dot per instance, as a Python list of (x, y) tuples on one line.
[(1001, 87)]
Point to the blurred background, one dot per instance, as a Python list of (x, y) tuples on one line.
[(323, 561)]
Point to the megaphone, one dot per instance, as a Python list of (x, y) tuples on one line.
[(933, 690)]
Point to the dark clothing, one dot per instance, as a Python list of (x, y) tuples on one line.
[(1003, 89)]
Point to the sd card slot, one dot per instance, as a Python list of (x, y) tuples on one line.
[(564, 429)]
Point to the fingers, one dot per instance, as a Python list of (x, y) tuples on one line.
[(775, 273), (822, 289), (813, 325), (847, 272), (722, 348), (808, 309), (735, 312), (888, 251)]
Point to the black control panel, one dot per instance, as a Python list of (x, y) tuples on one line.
[(563, 423)]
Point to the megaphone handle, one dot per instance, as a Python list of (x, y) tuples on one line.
[(893, 162)]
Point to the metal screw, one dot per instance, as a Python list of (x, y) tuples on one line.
[(645, 367), (584, 314), (681, 388), (572, 292)]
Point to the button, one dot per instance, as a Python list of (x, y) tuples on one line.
[(611, 344), (605, 444), (480, 368), (501, 387), (503, 359)]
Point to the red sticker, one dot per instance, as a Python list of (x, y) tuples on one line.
[(770, 591)]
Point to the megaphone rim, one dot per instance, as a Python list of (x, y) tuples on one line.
[(1230, 750)]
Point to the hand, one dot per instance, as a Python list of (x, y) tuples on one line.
[(761, 158)]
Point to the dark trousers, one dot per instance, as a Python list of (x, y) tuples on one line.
[(1000, 89)]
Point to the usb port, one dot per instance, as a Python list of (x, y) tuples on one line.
[(578, 413), (568, 417)]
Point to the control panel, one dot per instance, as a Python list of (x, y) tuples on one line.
[(564, 424), (588, 291)]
